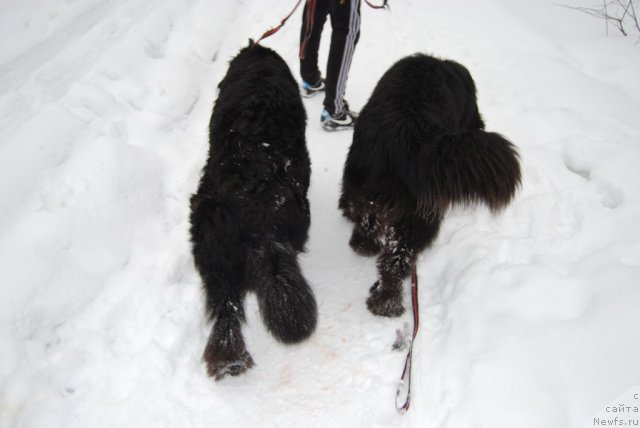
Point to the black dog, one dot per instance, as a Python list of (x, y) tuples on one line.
[(419, 147), (250, 216)]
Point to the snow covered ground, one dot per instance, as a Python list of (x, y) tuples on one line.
[(528, 319)]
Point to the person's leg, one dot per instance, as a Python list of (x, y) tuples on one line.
[(345, 20), (313, 19)]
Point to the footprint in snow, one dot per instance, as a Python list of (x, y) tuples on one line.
[(612, 195)]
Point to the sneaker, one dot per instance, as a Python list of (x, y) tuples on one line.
[(309, 90), (338, 122)]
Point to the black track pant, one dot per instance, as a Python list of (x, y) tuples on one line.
[(345, 23)]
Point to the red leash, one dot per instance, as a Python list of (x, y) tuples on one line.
[(310, 19), (311, 14), (382, 6), (275, 30), (403, 394)]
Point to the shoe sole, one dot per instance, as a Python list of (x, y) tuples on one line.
[(309, 95), (336, 128), (310, 92)]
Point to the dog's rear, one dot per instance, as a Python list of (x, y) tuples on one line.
[(250, 216), (419, 147)]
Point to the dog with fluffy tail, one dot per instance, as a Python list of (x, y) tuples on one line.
[(250, 216), (419, 147)]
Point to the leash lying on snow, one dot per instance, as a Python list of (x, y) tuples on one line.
[(403, 394), (312, 3)]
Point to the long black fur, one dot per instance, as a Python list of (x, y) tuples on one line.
[(250, 215), (419, 147)]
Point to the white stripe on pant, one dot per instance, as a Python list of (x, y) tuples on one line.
[(350, 44)]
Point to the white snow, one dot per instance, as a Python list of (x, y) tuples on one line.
[(528, 319)]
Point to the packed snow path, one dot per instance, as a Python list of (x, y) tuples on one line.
[(528, 319)]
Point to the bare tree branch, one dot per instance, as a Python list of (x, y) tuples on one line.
[(619, 12)]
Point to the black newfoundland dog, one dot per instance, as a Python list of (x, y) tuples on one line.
[(419, 147), (250, 216)]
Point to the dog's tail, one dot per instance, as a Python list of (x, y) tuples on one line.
[(468, 168), (287, 304)]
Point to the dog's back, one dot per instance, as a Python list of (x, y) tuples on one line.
[(257, 175), (425, 95), (250, 216), (420, 143)]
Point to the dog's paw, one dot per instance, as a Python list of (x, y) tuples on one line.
[(218, 365), (364, 245), (385, 302)]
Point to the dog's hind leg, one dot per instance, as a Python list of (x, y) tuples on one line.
[(402, 243), (222, 268), (226, 352), (365, 238)]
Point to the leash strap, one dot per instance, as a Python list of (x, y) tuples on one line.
[(275, 30), (310, 19), (403, 394), (384, 5)]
